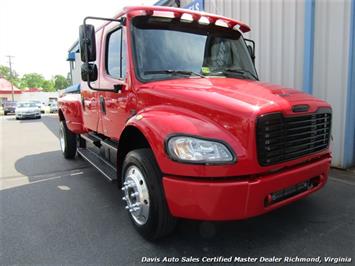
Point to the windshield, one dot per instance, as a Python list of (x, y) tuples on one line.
[(10, 104), (167, 48), (26, 105)]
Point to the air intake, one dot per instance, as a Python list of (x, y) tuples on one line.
[(281, 139)]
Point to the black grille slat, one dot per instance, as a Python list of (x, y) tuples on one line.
[(274, 128), (281, 146), (297, 154), (308, 138), (282, 139), (297, 137), (317, 120)]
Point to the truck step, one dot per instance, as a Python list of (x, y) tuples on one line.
[(106, 168), (92, 139)]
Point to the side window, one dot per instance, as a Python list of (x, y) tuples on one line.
[(115, 63)]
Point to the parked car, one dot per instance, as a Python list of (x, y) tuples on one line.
[(40, 105), (27, 110), (9, 107), (53, 107)]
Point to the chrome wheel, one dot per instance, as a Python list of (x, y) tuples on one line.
[(61, 138), (136, 195)]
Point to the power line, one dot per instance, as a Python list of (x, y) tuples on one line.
[(11, 77)]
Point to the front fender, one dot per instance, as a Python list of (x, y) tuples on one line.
[(70, 107), (158, 123)]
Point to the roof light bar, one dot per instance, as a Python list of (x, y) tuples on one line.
[(195, 16)]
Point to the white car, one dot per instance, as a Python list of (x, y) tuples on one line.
[(41, 106), (27, 110), (53, 107)]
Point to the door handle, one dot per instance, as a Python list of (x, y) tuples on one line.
[(92, 103), (102, 104), (83, 102)]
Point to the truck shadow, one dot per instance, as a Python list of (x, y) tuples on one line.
[(47, 164), (273, 231), (245, 235), (52, 123), (275, 225)]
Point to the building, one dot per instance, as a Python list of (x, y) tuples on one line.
[(304, 44), (8, 92), (24, 95)]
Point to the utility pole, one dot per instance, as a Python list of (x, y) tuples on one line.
[(11, 78)]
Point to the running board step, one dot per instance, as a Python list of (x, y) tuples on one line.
[(92, 139), (106, 168)]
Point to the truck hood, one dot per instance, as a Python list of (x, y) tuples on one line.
[(231, 95), (225, 108)]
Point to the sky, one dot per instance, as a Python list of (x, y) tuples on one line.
[(39, 33)]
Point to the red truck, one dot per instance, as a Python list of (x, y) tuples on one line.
[(171, 106)]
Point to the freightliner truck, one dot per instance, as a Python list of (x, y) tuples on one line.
[(172, 108)]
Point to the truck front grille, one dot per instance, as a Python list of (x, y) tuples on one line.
[(281, 139)]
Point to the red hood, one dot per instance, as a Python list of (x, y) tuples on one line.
[(230, 95)]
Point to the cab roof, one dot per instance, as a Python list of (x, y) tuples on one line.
[(177, 13), (181, 13)]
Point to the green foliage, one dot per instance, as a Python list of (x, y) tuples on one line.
[(5, 73), (60, 82), (48, 85), (34, 80)]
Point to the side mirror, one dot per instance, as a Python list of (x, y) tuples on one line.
[(251, 49), (87, 43), (89, 72)]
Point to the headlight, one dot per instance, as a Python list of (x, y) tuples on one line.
[(194, 150)]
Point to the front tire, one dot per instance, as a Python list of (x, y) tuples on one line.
[(67, 140), (144, 195)]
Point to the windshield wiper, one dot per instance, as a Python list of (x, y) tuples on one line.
[(171, 71), (243, 72)]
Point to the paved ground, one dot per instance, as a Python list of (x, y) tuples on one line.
[(54, 211)]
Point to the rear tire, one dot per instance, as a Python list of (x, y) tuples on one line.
[(67, 141), (159, 222)]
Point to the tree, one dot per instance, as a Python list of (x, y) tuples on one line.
[(32, 80), (35, 80), (60, 82), (5, 73), (48, 85)]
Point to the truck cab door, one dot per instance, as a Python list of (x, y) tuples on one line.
[(89, 97), (115, 106)]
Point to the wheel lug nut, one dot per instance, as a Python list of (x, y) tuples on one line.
[(124, 198), (134, 209), (135, 194)]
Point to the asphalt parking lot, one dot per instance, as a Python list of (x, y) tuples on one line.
[(55, 211)]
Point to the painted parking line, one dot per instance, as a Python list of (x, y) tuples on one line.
[(19, 181)]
